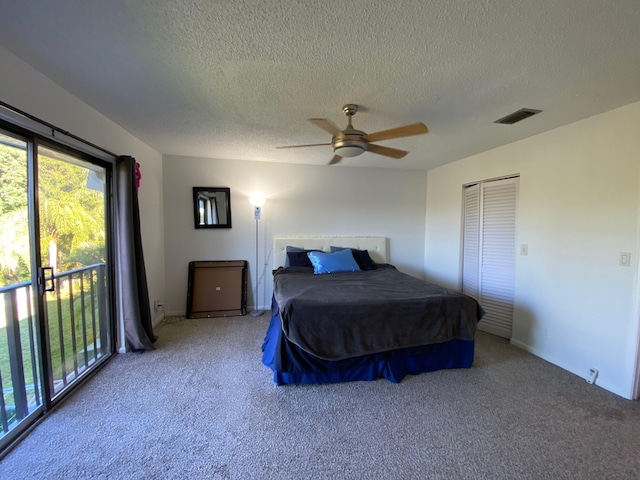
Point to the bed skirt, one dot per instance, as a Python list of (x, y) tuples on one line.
[(292, 365)]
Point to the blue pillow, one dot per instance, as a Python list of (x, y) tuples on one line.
[(333, 262), (362, 257)]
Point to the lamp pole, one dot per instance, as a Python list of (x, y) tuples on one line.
[(257, 203)]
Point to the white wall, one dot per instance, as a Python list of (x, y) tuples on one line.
[(578, 209), (301, 200), (25, 88)]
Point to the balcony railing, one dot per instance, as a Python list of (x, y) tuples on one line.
[(78, 332)]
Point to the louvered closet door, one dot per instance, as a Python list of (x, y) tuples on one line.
[(496, 251), (471, 241)]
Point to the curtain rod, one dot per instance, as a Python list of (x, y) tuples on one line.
[(55, 129)]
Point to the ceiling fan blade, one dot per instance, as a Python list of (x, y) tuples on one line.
[(310, 145), (326, 125), (335, 159), (406, 131), (386, 151)]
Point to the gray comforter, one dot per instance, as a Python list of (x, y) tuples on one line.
[(343, 315)]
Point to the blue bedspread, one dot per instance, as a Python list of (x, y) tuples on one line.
[(291, 365)]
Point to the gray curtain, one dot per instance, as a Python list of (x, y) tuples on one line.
[(134, 294)]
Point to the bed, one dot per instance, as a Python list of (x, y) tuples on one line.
[(361, 319)]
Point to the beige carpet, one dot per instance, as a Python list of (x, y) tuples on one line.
[(202, 406)]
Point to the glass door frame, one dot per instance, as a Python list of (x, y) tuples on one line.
[(48, 398), (30, 418), (53, 396)]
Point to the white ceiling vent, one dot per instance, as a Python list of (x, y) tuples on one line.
[(517, 116)]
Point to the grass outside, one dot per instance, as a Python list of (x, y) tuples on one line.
[(28, 333)]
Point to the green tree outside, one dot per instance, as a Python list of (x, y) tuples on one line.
[(71, 215), (72, 234)]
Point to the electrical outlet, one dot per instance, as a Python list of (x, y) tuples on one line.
[(591, 377), (157, 304)]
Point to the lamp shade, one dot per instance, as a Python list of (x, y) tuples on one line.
[(257, 200)]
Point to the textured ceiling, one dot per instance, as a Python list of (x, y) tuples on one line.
[(234, 79)]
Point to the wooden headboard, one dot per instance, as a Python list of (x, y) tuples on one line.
[(377, 246)]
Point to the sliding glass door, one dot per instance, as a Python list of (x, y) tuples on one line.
[(73, 251), (20, 355), (55, 301)]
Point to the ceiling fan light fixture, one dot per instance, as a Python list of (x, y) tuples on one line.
[(349, 150), (349, 144)]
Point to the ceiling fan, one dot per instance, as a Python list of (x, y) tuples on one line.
[(351, 142)]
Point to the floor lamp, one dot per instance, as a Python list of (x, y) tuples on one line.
[(257, 203)]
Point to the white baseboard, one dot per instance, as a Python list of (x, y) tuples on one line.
[(600, 382), (157, 319), (178, 313), (542, 355)]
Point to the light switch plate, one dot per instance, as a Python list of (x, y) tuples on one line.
[(625, 259), (524, 249)]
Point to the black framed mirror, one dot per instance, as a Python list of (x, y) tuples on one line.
[(212, 207)]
